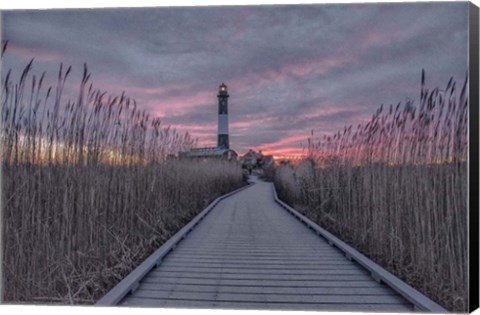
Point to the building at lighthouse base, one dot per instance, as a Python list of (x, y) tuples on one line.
[(210, 152)]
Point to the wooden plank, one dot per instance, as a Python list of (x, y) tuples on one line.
[(132, 301), (254, 271), (296, 259), (255, 264), (246, 260), (269, 283), (266, 248), (319, 267), (377, 290), (271, 251), (261, 277), (285, 255), (286, 298), (270, 256), (259, 240)]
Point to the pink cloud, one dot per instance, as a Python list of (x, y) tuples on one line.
[(303, 68), (159, 91), (241, 125), (197, 128), (285, 153), (180, 104), (163, 101), (283, 143), (278, 154), (37, 53), (206, 134)]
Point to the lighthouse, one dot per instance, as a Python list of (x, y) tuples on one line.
[(222, 150), (222, 140)]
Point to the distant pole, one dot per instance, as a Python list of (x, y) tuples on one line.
[(223, 117)]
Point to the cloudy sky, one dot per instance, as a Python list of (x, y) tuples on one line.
[(290, 69)]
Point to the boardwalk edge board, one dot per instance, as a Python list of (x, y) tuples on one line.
[(420, 301), (131, 282)]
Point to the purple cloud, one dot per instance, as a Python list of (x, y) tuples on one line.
[(290, 69)]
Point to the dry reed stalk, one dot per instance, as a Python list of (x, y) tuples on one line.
[(90, 188), (396, 189)]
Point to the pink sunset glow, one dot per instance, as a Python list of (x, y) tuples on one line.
[(290, 70)]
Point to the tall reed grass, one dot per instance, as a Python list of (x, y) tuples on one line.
[(396, 188), (90, 187)]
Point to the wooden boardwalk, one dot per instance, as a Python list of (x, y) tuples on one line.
[(250, 253)]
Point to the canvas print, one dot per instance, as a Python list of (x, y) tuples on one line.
[(267, 157)]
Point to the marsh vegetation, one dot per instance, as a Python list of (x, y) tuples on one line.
[(90, 187), (396, 188)]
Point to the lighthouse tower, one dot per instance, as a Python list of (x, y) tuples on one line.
[(223, 117), (222, 150)]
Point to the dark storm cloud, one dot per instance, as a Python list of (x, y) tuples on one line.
[(290, 69)]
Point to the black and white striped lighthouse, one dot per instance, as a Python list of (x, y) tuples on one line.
[(223, 117)]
